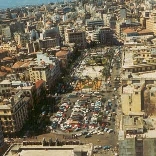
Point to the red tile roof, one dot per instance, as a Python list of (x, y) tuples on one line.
[(4, 68), (61, 53), (18, 64), (7, 58), (39, 83), (128, 30), (2, 74)]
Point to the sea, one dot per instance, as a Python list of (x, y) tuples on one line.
[(4, 4)]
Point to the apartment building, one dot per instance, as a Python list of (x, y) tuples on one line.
[(6, 33), (106, 35), (14, 112), (137, 145), (45, 68), (54, 65), (40, 86), (94, 23), (77, 37), (49, 42), (21, 39), (132, 98), (151, 22), (63, 56), (39, 71), (5, 86), (139, 59)]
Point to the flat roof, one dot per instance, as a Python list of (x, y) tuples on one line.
[(46, 152), (5, 82), (40, 150)]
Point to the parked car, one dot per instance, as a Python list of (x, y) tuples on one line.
[(110, 131), (106, 129), (88, 135), (106, 147), (84, 132)]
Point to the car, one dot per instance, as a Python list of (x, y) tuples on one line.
[(77, 129), (84, 132), (110, 131), (109, 115), (79, 134), (106, 147), (95, 151), (109, 118), (97, 147), (106, 129), (88, 135)]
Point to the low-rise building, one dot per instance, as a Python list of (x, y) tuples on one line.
[(36, 148), (132, 124)]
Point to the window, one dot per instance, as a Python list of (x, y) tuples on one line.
[(130, 109), (136, 92), (5, 111)]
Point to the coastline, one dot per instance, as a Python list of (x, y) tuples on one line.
[(4, 4)]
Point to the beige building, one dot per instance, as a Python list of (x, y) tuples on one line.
[(5, 86), (39, 72), (46, 67), (77, 37), (132, 99), (14, 112), (6, 33), (21, 39), (132, 124), (151, 22), (139, 59), (137, 146)]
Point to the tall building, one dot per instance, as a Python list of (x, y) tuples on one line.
[(45, 68), (21, 39), (137, 146), (1, 138), (49, 43), (77, 37), (151, 22), (14, 112), (6, 33), (132, 98), (106, 35)]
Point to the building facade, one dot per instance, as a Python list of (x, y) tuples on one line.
[(14, 112)]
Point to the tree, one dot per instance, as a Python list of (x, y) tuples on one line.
[(106, 72)]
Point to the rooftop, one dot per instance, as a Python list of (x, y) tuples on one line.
[(5, 82), (2, 74), (40, 150), (131, 88), (145, 31), (39, 83), (18, 64), (128, 30)]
